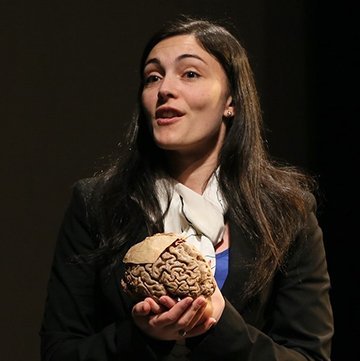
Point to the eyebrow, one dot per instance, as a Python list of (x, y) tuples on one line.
[(179, 58)]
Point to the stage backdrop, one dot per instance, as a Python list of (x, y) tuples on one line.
[(68, 83)]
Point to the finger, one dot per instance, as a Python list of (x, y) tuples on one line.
[(197, 319), (141, 309), (154, 306), (167, 301), (203, 314), (191, 317), (171, 316), (202, 328)]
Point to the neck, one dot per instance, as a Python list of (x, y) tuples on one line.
[(193, 166), (191, 170)]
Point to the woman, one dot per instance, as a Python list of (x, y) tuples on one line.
[(194, 147)]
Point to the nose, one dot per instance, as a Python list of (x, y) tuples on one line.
[(167, 89)]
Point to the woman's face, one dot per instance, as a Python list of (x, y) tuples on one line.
[(185, 96)]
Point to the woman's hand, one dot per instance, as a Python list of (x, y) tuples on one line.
[(172, 320)]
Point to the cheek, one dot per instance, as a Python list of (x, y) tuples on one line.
[(211, 98), (148, 102), (200, 100), (209, 103)]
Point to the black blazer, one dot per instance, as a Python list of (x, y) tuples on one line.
[(87, 315)]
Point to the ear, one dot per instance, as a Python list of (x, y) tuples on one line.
[(229, 110)]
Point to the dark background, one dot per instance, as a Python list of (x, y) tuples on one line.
[(68, 80)]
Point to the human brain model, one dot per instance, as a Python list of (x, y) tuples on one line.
[(165, 264)]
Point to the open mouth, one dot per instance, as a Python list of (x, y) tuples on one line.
[(167, 113)]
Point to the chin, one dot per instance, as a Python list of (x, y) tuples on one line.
[(167, 144)]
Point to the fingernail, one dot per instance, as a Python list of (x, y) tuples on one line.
[(201, 301), (188, 301)]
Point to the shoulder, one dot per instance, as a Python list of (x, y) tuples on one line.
[(85, 186), (310, 202), (85, 199), (311, 224), (87, 190), (85, 213), (309, 242)]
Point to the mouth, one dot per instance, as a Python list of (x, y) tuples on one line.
[(167, 113)]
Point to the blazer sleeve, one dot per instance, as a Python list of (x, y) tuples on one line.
[(299, 323), (71, 329)]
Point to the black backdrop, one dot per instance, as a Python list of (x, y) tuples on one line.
[(68, 85)]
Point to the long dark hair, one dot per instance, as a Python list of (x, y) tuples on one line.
[(265, 199)]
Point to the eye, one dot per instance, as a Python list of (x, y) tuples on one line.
[(152, 78), (192, 74)]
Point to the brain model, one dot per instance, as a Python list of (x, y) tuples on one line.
[(165, 264)]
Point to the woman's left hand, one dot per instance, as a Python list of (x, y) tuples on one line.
[(172, 320)]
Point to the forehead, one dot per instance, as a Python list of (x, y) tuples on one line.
[(176, 45)]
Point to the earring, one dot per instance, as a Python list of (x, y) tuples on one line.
[(229, 113)]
